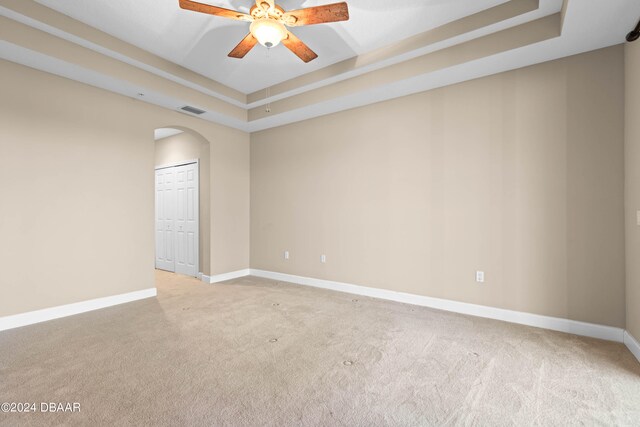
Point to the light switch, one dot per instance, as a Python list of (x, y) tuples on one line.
[(638, 217), (323, 259), (286, 254)]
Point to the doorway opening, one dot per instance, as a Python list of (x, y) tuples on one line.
[(181, 201)]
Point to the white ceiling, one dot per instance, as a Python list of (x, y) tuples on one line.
[(201, 42), (162, 133)]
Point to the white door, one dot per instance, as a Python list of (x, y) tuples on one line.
[(165, 218), (177, 219), (187, 220)]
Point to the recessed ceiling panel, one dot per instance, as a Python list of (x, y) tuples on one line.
[(201, 42)]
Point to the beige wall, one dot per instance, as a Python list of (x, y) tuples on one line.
[(184, 147), (632, 167), (76, 179), (518, 174)]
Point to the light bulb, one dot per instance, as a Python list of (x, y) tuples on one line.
[(269, 32)]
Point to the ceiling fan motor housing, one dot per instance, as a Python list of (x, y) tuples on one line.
[(266, 11)]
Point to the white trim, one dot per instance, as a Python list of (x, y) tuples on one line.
[(226, 276), (632, 344), (553, 323), (176, 164), (31, 317)]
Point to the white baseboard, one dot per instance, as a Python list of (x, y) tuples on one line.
[(31, 317), (632, 344), (553, 323), (226, 276)]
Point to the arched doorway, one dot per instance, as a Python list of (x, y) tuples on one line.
[(182, 155)]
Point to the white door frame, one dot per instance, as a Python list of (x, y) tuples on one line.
[(197, 213), (186, 162)]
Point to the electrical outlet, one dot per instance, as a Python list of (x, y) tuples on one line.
[(323, 259), (286, 254), (480, 276)]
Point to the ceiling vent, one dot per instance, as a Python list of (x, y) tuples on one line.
[(192, 110)]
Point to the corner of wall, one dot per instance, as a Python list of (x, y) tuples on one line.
[(632, 187)]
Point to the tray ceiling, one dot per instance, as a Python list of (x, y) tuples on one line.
[(153, 51), (200, 42)]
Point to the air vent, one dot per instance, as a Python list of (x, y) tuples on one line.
[(192, 110)]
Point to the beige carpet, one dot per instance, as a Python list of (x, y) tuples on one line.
[(207, 355)]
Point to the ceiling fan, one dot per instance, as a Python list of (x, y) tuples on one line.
[(269, 22)]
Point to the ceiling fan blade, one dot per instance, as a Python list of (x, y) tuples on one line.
[(296, 46), (243, 47), (214, 10), (317, 15)]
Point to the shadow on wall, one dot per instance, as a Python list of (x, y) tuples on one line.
[(176, 144)]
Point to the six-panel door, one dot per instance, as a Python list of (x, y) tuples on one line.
[(177, 219)]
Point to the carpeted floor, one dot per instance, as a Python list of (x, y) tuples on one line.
[(254, 352)]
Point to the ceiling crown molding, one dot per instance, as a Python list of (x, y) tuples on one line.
[(513, 34)]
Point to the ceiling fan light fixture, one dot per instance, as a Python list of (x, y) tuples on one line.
[(269, 24), (268, 32)]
